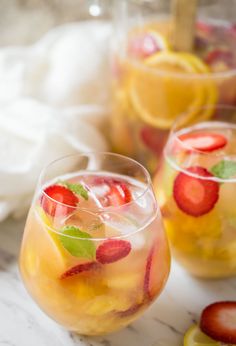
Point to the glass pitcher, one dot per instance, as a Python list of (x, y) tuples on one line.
[(153, 82)]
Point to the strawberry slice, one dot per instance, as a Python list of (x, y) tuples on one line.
[(143, 45), (112, 250), (57, 200), (80, 268), (204, 141), (154, 139), (148, 274), (111, 192), (232, 30), (119, 194), (195, 196), (205, 28), (218, 321), (220, 59)]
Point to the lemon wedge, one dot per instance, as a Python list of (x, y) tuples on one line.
[(52, 244)]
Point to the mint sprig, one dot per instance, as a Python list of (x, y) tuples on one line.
[(78, 189), (77, 242), (225, 169)]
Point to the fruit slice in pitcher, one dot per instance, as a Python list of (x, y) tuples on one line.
[(145, 44), (158, 99)]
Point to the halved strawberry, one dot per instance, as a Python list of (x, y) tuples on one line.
[(154, 139), (143, 45), (112, 250), (57, 200), (195, 196), (203, 141), (110, 191), (80, 268), (218, 321)]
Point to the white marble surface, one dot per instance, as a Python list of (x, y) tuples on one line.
[(23, 324)]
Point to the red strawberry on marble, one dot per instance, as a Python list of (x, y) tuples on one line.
[(218, 321)]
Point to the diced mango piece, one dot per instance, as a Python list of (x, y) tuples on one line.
[(107, 303)]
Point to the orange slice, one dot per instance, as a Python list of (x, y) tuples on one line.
[(167, 85)]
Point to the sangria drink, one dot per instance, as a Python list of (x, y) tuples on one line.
[(153, 82), (196, 188), (94, 254)]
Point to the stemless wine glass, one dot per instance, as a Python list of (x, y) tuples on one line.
[(94, 253), (196, 188), (154, 82)]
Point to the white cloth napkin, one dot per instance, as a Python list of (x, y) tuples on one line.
[(54, 99)]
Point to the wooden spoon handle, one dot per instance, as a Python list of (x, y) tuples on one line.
[(183, 26)]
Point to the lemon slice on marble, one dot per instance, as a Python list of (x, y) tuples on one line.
[(195, 337)]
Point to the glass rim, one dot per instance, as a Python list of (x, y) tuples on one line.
[(148, 187), (175, 132), (121, 236), (181, 75), (86, 154)]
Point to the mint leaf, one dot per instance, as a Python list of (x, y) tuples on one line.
[(81, 247), (224, 169), (78, 189)]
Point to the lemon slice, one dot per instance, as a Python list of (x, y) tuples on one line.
[(167, 85), (198, 64), (195, 337), (52, 244), (211, 91)]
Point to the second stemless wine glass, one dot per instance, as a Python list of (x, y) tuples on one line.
[(196, 188), (94, 254), (154, 82)]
